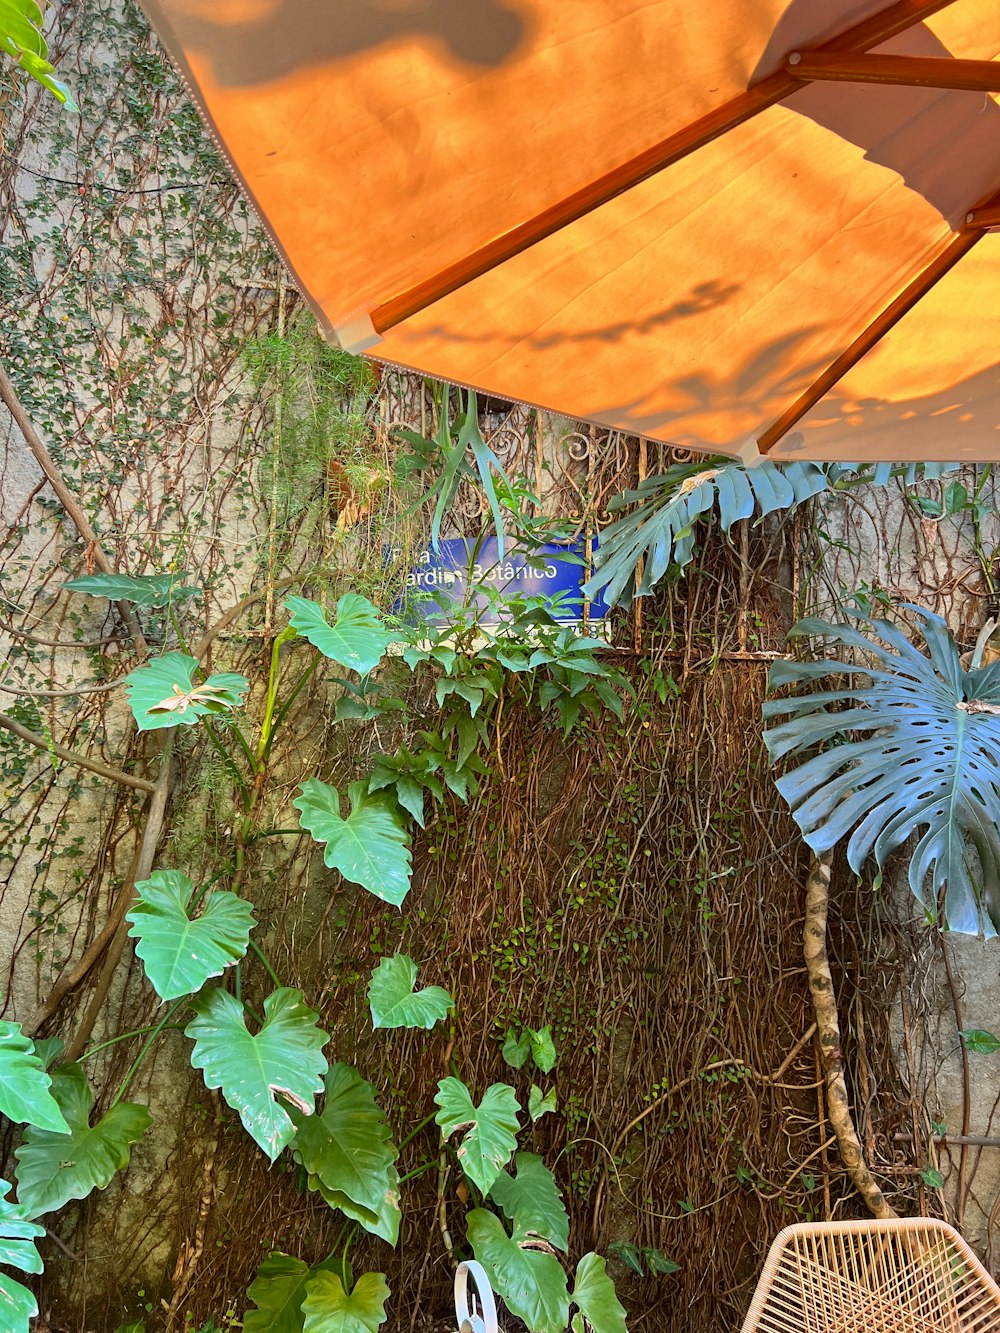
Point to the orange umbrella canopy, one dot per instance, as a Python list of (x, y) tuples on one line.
[(740, 226)]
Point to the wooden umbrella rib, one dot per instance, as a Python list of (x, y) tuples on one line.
[(768, 92), (980, 76), (987, 216)]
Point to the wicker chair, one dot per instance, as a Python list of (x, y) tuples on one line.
[(912, 1275)]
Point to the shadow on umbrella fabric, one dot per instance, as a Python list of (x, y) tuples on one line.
[(258, 41)]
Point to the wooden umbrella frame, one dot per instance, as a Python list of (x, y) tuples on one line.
[(908, 1275)]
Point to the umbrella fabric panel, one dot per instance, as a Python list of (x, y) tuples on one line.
[(698, 306), (930, 390)]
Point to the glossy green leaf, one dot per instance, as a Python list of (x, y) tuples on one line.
[(516, 1048), (24, 1085), (595, 1298), (54, 1168), (348, 1154), (629, 1254), (178, 953), (141, 589), (278, 1290), (17, 1250), (531, 1201), (530, 1282), (284, 1058), (980, 1041), (357, 639), (164, 692), (328, 1308), (921, 762), (540, 1104), (395, 1004), (491, 1127), (22, 39), (543, 1050), (370, 847)]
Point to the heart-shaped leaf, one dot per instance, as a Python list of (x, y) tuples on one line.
[(284, 1058), (24, 1084), (980, 1041), (180, 954), (54, 1168), (329, 1309), (543, 1050), (531, 1283), (278, 1290), (140, 589), (595, 1298), (395, 1004), (370, 847), (357, 639), (531, 1201), (17, 1250), (516, 1048), (539, 1104), (164, 692), (491, 1126), (348, 1153)]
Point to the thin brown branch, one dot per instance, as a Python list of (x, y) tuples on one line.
[(81, 761)]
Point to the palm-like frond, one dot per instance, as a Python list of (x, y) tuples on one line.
[(913, 749)]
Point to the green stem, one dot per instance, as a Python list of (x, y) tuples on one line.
[(146, 1047), (272, 833), (125, 1036), (177, 630), (283, 710), (228, 760), (273, 680), (347, 1245), (419, 1170), (263, 960), (414, 1132)]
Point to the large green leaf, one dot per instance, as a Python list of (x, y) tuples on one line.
[(395, 1004), (164, 692), (24, 1084), (180, 954), (54, 1168), (530, 1282), (531, 1201), (278, 1290), (141, 589), (594, 1296), (17, 1250), (914, 749), (371, 847), (21, 38), (348, 1154), (357, 639), (284, 1058), (329, 1309), (492, 1127)]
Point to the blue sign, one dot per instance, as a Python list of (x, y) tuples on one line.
[(470, 573)]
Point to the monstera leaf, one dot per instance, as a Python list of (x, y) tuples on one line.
[(284, 1058), (279, 1288), (370, 847), (180, 954), (660, 528), (54, 1168), (24, 1084), (17, 1250), (348, 1154), (531, 1282), (329, 1309), (357, 639), (492, 1126), (395, 1004), (140, 589), (922, 757), (595, 1298), (531, 1201), (164, 693)]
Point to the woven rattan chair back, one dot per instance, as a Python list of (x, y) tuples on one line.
[(911, 1275)]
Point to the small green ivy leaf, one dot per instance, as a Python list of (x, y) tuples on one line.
[(52, 1169), (492, 1127), (329, 1309), (661, 1266), (395, 1004), (594, 1296), (976, 1039), (629, 1254), (539, 1105), (932, 1178), (516, 1048), (357, 639), (180, 954), (370, 847), (285, 1058), (24, 1085), (543, 1050), (164, 693), (151, 590)]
